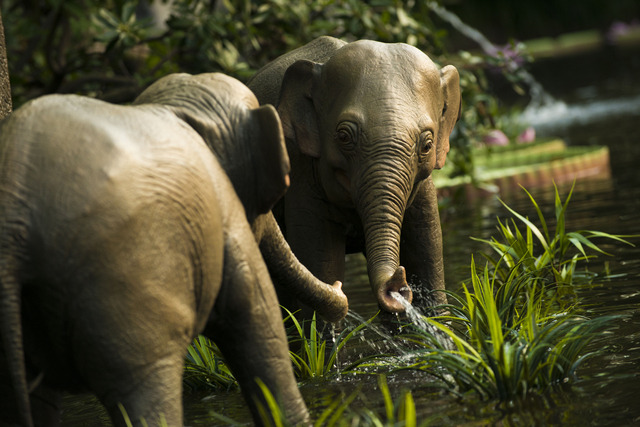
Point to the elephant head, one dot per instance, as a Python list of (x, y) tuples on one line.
[(376, 119), (243, 135)]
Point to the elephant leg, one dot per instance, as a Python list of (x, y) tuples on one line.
[(46, 406), (144, 377), (421, 247), (247, 326), (130, 338)]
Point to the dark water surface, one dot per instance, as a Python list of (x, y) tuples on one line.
[(603, 104)]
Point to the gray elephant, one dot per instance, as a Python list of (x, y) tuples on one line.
[(329, 301), (365, 123), (121, 239)]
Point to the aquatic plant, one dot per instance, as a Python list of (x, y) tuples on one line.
[(549, 256), (401, 412), (205, 367), (311, 360), (340, 412), (504, 348), (127, 421)]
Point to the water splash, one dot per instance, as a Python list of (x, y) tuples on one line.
[(412, 313), (416, 318), (332, 334), (386, 339)]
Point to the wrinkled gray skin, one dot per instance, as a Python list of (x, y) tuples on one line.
[(365, 123), (121, 239), (327, 300)]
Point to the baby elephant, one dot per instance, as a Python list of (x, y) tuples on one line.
[(121, 239)]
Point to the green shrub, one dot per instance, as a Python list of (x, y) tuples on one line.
[(104, 50)]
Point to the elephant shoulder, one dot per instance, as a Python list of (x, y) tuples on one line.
[(267, 81)]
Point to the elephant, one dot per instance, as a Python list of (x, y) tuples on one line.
[(365, 124), (122, 238), (329, 301)]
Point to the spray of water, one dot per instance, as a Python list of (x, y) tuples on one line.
[(386, 339), (413, 314), (415, 317)]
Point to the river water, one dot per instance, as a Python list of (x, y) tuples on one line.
[(598, 104)]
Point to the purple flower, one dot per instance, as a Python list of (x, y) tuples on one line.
[(508, 56), (619, 29)]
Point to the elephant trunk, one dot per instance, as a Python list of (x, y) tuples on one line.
[(381, 205), (329, 301)]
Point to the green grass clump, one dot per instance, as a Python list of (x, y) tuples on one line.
[(398, 413), (312, 361), (162, 422), (504, 351), (205, 366), (550, 256)]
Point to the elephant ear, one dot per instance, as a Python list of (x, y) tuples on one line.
[(450, 84), (296, 109), (270, 160)]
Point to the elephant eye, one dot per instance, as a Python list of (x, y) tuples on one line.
[(426, 142), (345, 135)]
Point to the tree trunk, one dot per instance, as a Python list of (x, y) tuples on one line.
[(5, 86)]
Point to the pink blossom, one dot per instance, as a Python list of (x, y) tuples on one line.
[(496, 137), (528, 135)]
